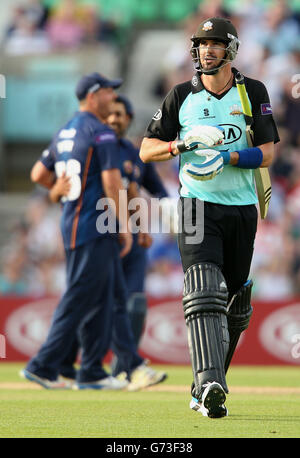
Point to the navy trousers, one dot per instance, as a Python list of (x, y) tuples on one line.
[(89, 295), (122, 340)]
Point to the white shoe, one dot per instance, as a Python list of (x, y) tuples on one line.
[(212, 401), (58, 384), (144, 376), (198, 407), (70, 381), (107, 383)]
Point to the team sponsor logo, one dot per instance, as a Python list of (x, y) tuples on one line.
[(157, 116), (128, 167), (280, 333), (232, 133), (27, 327), (236, 110), (194, 80), (165, 336), (206, 114), (207, 26), (106, 137), (265, 108)]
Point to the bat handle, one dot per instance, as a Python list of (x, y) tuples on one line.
[(239, 78)]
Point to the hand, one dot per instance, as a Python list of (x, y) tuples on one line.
[(202, 137), (212, 166), (145, 240), (63, 185), (125, 239), (61, 188)]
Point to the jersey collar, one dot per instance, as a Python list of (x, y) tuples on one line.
[(197, 85)]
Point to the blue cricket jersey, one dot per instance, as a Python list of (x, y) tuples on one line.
[(126, 161), (189, 104), (82, 149), (134, 169)]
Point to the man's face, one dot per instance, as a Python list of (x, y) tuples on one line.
[(118, 119), (211, 52), (102, 99)]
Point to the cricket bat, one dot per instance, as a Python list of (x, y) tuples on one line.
[(262, 176)]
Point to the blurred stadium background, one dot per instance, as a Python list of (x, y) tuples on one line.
[(47, 45)]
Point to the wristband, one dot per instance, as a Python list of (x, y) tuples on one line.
[(170, 149), (250, 158), (226, 156)]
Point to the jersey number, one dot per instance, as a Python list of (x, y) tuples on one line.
[(72, 169)]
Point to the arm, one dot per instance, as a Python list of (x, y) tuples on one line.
[(267, 150), (112, 185), (144, 239), (41, 175), (153, 149), (60, 188), (198, 137)]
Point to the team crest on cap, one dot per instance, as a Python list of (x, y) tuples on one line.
[(207, 26)]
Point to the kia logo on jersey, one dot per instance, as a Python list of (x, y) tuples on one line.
[(232, 133)]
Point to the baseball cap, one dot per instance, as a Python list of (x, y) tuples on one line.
[(93, 82), (127, 104)]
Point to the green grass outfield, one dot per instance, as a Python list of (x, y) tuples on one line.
[(264, 402)]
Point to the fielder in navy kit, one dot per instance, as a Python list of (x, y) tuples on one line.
[(130, 270), (86, 151), (135, 262), (203, 121)]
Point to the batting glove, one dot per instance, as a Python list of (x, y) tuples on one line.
[(201, 137), (212, 166)]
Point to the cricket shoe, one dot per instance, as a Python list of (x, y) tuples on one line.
[(57, 384), (71, 381), (107, 383), (144, 376), (212, 401)]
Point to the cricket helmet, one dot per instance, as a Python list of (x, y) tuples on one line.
[(215, 28)]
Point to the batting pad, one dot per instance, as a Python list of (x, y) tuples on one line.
[(204, 303)]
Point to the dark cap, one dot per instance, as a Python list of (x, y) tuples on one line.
[(215, 28), (127, 104), (93, 82)]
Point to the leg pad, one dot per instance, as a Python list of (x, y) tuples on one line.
[(238, 317), (204, 304)]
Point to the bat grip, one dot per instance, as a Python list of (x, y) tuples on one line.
[(239, 78)]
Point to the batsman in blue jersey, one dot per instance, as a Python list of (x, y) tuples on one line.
[(83, 158), (204, 122)]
